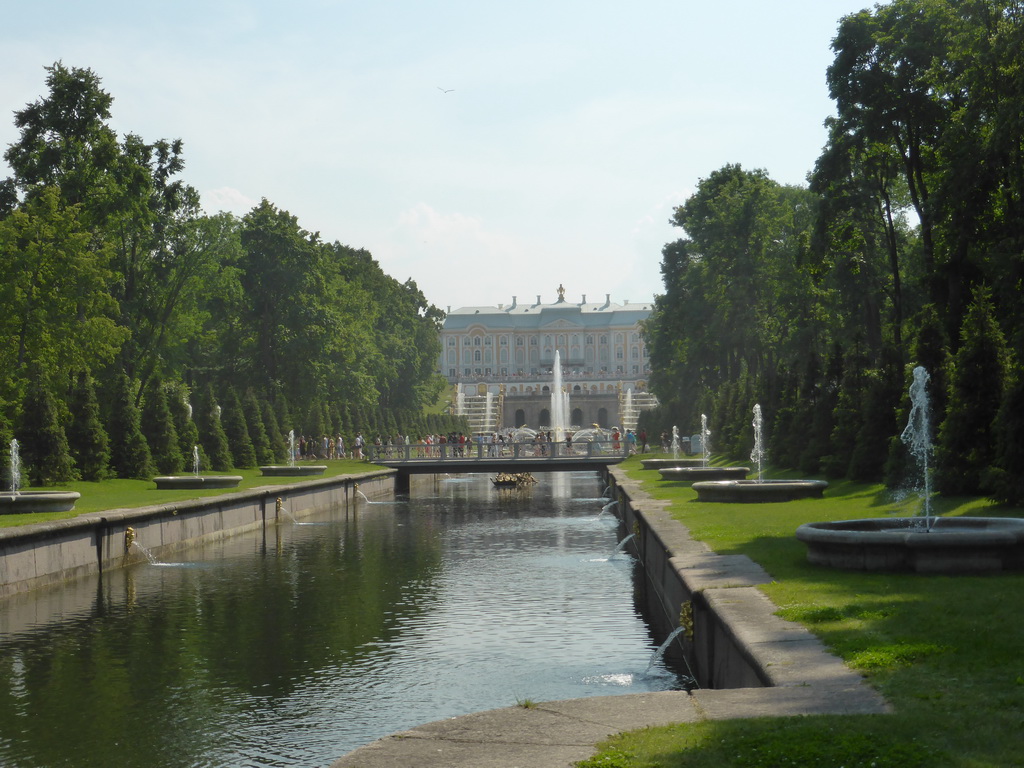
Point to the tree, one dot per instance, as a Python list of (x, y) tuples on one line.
[(55, 293), (87, 439), (211, 431), (237, 432), (158, 427), (257, 431), (966, 447), (185, 426), (44, 445), (130, 454)]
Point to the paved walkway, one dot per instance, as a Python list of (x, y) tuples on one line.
[(558, 734)]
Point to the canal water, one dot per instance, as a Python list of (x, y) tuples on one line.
[(295, 646)]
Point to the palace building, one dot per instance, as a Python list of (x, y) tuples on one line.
[(501, 359)]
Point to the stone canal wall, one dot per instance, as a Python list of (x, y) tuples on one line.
[(38, 555), (732, 637)]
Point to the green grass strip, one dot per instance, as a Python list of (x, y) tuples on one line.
[(130, 494)]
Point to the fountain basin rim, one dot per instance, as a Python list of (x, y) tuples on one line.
[(37, 501), (746, 491), (192, 482), (946, 532), (689, 461), (288, 470)]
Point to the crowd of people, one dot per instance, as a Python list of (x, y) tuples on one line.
[(458, 444)]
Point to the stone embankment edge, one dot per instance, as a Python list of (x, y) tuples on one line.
[(43, 554), (793, 674)]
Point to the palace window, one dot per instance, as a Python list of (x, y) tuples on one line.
[(476, 341)]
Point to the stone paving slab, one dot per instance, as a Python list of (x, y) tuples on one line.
[(560, 733)]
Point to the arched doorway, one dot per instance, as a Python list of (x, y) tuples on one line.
[(577, 417), (520, 418), (545, 418), (602, 417)]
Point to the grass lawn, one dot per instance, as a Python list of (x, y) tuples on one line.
[(946, 651), (120, 494)]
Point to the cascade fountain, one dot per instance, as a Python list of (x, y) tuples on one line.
[(758, 490), (292, 468), (696, 470), (196, 481), (924, 543), (16, 501)]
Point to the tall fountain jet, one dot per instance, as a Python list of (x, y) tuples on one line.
[(559, 403)]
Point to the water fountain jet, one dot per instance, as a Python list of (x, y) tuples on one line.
[(759, 490), (292, 468), (16, 501), (196, 481), (923, 543)]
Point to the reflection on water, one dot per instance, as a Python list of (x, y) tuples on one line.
[(293, 647)]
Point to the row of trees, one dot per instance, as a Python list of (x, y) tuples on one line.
[(905, 248), (119, 293)]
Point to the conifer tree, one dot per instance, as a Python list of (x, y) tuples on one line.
[(211, 431), (278, 441), (130, 456), (257, 429), (185, 426), (43, 442), (6, 435), (87, 439), (965, 448), (1006, 479), (158, 427), (283, 411), (315, 426), (237, 431)]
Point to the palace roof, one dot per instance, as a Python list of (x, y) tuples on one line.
[(561, 314)]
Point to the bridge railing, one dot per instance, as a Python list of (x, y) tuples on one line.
[(476, 451)]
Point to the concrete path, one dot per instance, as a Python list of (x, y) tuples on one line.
[(558, 734)]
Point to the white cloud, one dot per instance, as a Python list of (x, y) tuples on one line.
[(227, 199)]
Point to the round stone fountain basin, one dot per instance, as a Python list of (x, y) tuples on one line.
[(38, 501), (759, 492), (695, 474), (196, 482), (298, 470), (952, 545), (667, 463)]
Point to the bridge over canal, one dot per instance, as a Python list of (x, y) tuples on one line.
[(423, 459)]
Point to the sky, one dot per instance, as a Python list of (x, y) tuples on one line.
[(485, 150)]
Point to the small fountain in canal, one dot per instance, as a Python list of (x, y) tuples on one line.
[(292, 468), (17, 501), (924, 543), (195, 480), (759, 490), (673, 463), (700, 469)]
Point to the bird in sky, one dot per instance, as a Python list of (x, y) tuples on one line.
[(443, 90)]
